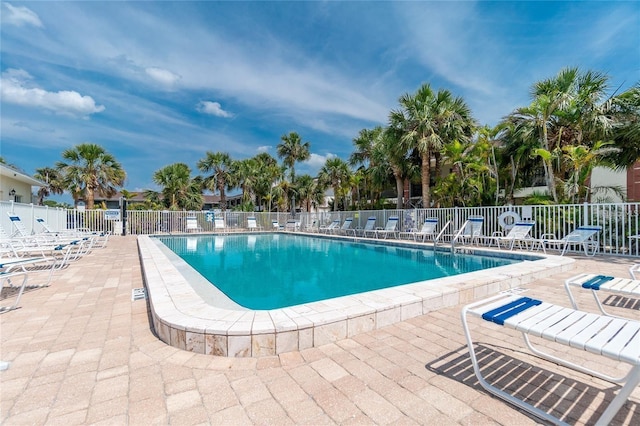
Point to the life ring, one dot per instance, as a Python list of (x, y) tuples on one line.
[(508, 219)]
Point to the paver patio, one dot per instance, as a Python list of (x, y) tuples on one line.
[(82, 352)]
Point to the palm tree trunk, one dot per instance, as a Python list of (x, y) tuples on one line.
[(426, 179)]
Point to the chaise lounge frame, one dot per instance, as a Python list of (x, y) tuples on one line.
[(613, 338)]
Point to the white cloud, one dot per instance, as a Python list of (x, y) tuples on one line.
[(264, 148), (317, 160), (20, 15), (18, 89), (212, 108), (162, 76)]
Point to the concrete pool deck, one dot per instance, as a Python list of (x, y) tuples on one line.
[(81, 352), (186, 318)]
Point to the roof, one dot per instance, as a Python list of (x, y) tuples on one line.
[(16, 174)]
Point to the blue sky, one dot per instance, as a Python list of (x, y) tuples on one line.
[(162, 82)]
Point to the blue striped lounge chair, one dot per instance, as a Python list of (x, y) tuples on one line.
[(601, 336)]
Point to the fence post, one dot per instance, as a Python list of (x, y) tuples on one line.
[(585, 214)]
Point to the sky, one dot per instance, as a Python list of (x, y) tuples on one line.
[(156, 83)]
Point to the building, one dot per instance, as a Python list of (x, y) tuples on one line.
[(17, 186)]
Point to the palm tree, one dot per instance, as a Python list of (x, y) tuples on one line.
[(220, 165), (581, 160), (89, 169), (53, 180), (568, 109), (427, 121), (365, 146), (179, 190), (626, 132), (335, 173), (305, 185), (292, 150)]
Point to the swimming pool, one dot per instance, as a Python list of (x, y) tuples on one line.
[(272, 271), (189, 313)]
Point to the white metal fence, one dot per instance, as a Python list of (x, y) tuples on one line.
[(620, 222)]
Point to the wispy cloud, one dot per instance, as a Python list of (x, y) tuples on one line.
[(20, 16), (162, 76), (212, 108), (17, 89)]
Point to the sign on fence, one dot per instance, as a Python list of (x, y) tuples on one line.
[(112, 214)]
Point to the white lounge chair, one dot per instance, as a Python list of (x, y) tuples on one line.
[(369, 227), (330, 227), (192, 224), (276, 225), (613, 338), (633, 270), (219, 225), (518, 234), (292, 225), (581, 236), (12, 268), (471, 231), (391, 228), (252, 224), (345, 228), (427, 231), (624, 287)]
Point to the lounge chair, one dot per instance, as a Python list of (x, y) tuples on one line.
[(613, 338), (345, 228), (518, 234), (633, 270), (427, 231), (276, 225), (219, 225), (391, 228), (292, 225), (311, 227), (330, 227), (624, 287), (252, 224), (12, 267), (471, 231), (192, 224), (369, 227), (582, 235)]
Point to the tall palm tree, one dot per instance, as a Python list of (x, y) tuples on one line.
[(293, 150), (178, 189), (335, 173), (220, 166), (365, 145), (53, 180), (90, 170), (427, 121)]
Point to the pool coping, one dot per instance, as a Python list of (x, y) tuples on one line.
[(183, 319)]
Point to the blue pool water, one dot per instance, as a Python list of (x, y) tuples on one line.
[(270, 271)]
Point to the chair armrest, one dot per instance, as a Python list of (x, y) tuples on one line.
[(548, 237)]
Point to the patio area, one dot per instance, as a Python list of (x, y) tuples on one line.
[(82, 352)]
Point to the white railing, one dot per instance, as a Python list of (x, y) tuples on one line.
[(55, 218), (619, 221)]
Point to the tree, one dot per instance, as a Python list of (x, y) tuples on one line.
[(335, 173), (179, 190), (626, 130), (427, 121), (220, 165), (292, 150), (569, 109), (90, 170), (53, 180)]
